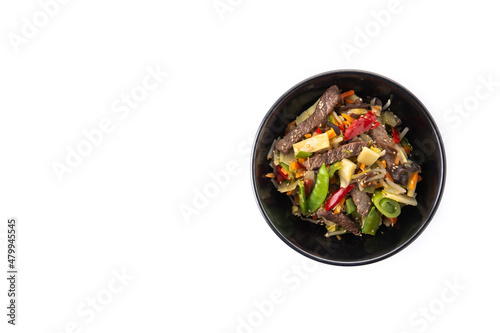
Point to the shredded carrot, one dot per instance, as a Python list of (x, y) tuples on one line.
[(308, 135), (270, 175), (289, 126), (339, 206), (377, 107), (413, 181), (346, 123), (384, 164), (407, 150), (362, 166), (349, 101), (379, 184), (419, 178), (393, 219), (294, 165), (331, 133), (396, 160), (348, 117), (289, 192), (388, 176), (300, 173), (346, 94), (301, 160)]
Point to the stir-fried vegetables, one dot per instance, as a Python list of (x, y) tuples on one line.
[(347, 168), (400, 198), (333, 168), (360, 125), (313, 144), (386, 206), (337, 196), (372, 222), (320, 190), (302, 197), (367, 157), (368, 180), (304, 115)]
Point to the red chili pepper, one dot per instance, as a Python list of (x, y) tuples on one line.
[(308, 186), (337, 196), (360, 125), (376, 124), (395, 135), (318, 131), (281, 174), (341, 127)]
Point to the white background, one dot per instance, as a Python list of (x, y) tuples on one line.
[(119, 210)]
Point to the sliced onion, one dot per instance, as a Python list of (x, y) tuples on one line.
[(336, 116), (403, 133), (336, 141), (357, 175), (334, 233), (402, 154), (395, 187), (270, 152), (387, 104), (379, 176), (380, 170)]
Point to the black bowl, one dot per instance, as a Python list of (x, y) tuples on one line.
[(308, 238)]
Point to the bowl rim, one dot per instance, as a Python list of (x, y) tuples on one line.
[(441, 151)]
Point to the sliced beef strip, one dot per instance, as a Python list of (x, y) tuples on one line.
[(401, 172), (325, 106), (362, 201), (342, 220), (334, 155), (383, 140)]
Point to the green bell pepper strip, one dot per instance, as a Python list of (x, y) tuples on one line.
[(302, 197), (320, 190), (303, 154), (350, 206), (369, 189), (333, 168), (371, 223), (386, 206), (285, 166)]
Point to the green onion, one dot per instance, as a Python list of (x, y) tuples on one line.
[(386, 206)]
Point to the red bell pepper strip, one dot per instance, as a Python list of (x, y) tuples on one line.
[(395, 135), (318, 131), (308, 186), (360, 125), (281, 174), (337, 196)]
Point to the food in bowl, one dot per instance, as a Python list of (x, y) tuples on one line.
[(345, 162)]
